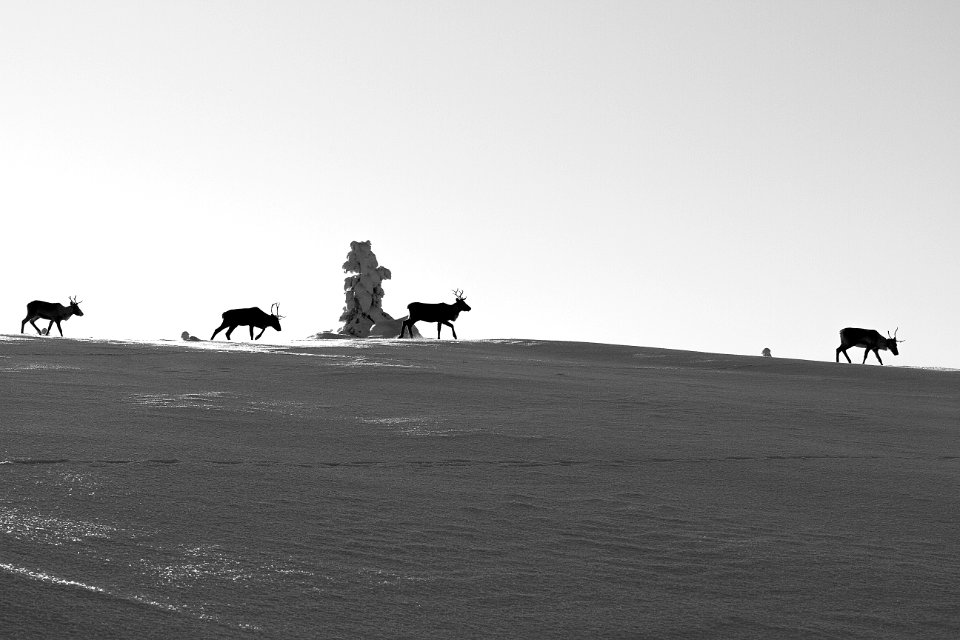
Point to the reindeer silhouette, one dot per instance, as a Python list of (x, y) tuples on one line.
[(442, 314), (252, 317), (52, 311), (870, 340)]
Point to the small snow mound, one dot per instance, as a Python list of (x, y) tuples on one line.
[(328, 335), (390, 328)]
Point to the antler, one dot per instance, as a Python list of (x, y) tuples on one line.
[(459, 294), (73, 300), (894, 337), (277, 312)]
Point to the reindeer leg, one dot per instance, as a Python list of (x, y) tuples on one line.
[(230, 330), (876, 352), (259, 334), (219, 329), (840, 350), (452, 329), (439, 324), (58, 328), (251, 332)]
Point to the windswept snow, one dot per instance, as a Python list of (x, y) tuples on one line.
[(497, 489)]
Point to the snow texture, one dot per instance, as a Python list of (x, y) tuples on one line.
[(476, 489)]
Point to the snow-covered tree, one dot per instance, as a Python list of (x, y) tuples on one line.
[(363, 293)]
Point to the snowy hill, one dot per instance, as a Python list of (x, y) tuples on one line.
[(437, 489)]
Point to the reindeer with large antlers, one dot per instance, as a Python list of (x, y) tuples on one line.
[(52, 311), (441, 313), (252, 317)]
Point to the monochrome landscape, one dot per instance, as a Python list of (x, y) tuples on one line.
[(495, 488), (219, 216)]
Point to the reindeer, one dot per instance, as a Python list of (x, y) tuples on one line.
[(442, 314), (252, 317), (52, 311), (870, 340)]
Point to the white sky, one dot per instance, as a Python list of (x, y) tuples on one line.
[(717, 176)]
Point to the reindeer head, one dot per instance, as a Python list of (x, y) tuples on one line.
[(461, 302), (892, 342), (275, 315), (75, 306)]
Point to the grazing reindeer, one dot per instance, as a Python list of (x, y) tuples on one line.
[(52, 311), (442, 314), (252, 317), (870, 340)]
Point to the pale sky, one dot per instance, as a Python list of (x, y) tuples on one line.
[(710, 176)]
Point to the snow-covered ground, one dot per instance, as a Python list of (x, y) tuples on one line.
[(426, 489)]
